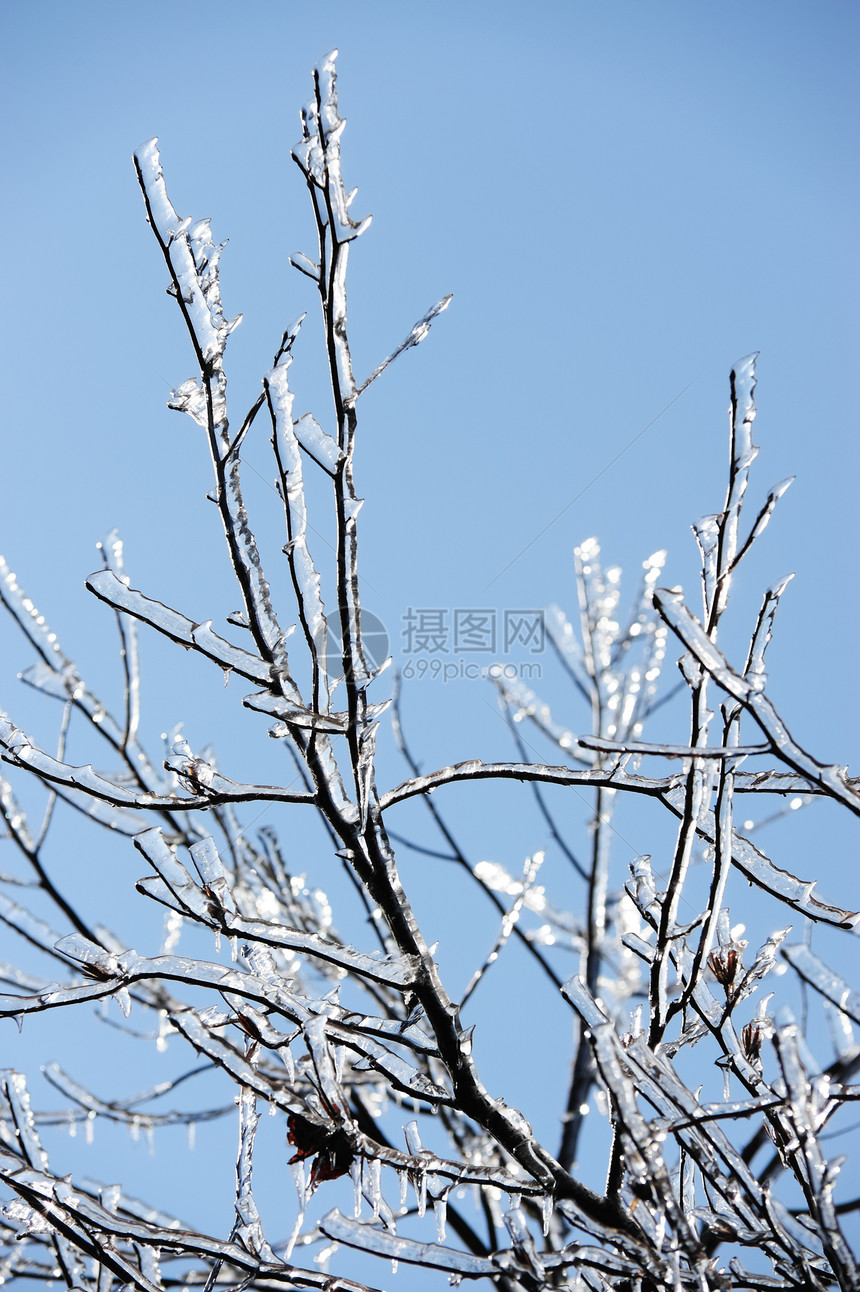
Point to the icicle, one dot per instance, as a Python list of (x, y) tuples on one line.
[(124, 1001), (301, 1182), (73, 1126), (234, 949), (355, 1172), (89, 1126), (413, 1138), (135, 1129), (192, 1136), (217, 942), (376, 1200), (150, 1138), (546, 1212), (421, 1192), (289, 1063), (440, 1210), (404, 1187)]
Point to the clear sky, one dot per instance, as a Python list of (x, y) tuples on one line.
[(623, 198)]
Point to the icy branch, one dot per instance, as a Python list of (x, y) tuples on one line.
[(748, 692)]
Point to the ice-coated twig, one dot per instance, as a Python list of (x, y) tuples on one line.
[(613, 778), (525, 705), (365, 1237), (109, 588), (111, 549), (82, 1217), (509, 923), (828, 984), (55, 674), (192, 260), (671, 751), (124, 1110), (748, 692), (248, 1228), (415, 337), (806, 1111), (304, 574), (474, 769), (17, 748)]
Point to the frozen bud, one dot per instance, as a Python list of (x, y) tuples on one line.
[(724, 965), (751, 1039)]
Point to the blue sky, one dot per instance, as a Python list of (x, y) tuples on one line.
[(624, 200)]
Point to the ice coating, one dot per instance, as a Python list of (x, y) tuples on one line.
[(106, 586), (305, 265), (707, 532), (213, 877), (523, 1242), (14, 817), (415, 337), (305, 574), (365, 770), (764, 628), (743, 384), (193, 256), (321, 446), (14, 1092), (402, 1075), (47, 680), (526, 704), (278, 707), (321, 1054), (396, 971), (356, 1233), (318, 151), (249, 1229), (21, 750), (190, 398), (830, 985), (193, 262), (670, 605), (82, 1209), (93, 957), (561, 632), (56, 675), (167, 865), (808, 1108), (763, 518), (599, 601), (620, 1075), (671, 1097), (164, 218)]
